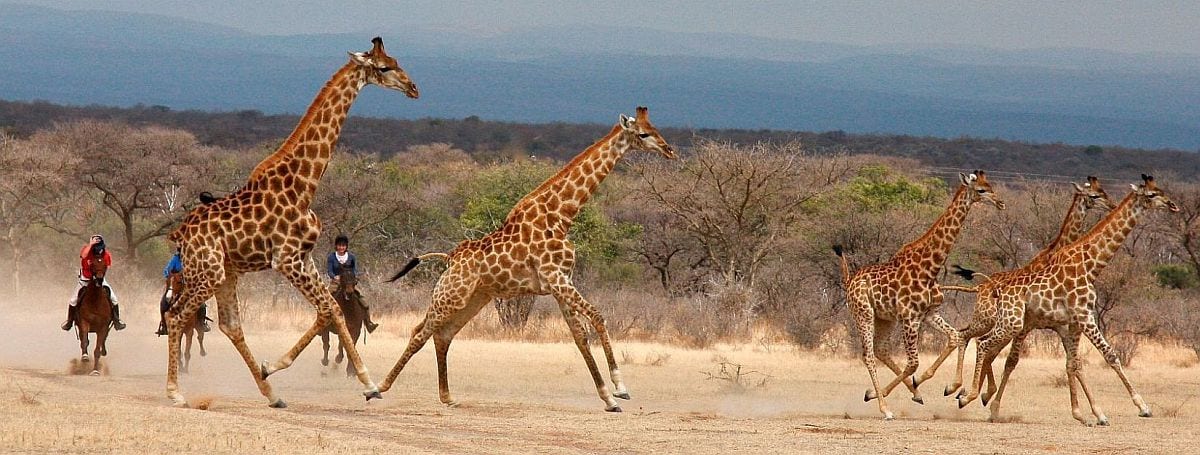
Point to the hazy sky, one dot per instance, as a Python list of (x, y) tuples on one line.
[(1132, 26)]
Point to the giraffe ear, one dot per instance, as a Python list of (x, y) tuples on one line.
[(1080, 188), (966, 179), (1134, 186), (628, 123)]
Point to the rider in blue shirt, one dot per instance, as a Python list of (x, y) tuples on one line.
[(342, 259), (175, 265)]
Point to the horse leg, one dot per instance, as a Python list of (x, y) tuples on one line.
[(101, 337), (325, 348), (83, 341)]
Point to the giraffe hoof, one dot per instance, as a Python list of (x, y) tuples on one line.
[(1102, 422), (264, 369), (869, 395), (918, 400), (962, 402), (450, 404), (888, 416), (278, 404), (622, 395), (1146, 413), (613, 409), (372, 394), (949, 390)]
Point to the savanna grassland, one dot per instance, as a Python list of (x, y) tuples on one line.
[(519, 395)]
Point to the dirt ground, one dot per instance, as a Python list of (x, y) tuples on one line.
[(526, 397)]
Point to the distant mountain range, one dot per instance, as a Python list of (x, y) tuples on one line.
[(589, 74)]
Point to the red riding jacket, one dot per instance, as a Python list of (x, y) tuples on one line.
[(85, 261)]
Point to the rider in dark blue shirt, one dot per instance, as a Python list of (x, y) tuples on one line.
[(341, 259), (175, 265)]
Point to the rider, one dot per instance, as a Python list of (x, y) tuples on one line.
[(95, 247), (341, 258), (175, 265)]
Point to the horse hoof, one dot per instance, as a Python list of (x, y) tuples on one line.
[(450, 404), (373, 394), (324, 362), (622, 395), (613, 409), (94, 373), (278, 404), (85, 358)]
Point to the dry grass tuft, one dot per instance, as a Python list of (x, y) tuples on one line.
[(1007, 419), (1173, 411), (28, 398), (1058, 381), (738, 377)]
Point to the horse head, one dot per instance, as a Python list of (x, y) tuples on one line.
[(347, 282), (98, 269)]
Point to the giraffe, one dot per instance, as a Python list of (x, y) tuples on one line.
[(1061, 296), (904, 290), (268, 224), (530, 254), (1089, 196)]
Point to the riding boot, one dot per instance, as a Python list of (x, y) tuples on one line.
[(202, 316), (116, 318), (162, 324), (71, 310), (367, 320)]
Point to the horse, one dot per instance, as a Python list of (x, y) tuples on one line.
[(94, 314), (349, 301), (190, 330)]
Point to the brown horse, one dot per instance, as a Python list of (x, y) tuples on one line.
[(350, 303), (94, 314), (192, 329)]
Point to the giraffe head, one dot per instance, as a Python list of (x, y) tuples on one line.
[(644, 136), (981, 190), (1150, 197), (1094, 196), (382, 69)]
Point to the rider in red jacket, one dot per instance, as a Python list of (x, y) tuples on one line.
[(86, 256)]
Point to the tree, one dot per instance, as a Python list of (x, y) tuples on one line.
[(738, 203), (147, 177), (32, 182)]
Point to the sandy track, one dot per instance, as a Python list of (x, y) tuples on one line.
[(523, 397)]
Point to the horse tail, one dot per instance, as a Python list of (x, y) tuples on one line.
[(837, 249), (412, 263)]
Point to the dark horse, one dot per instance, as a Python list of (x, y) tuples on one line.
[(191, 329), (350, 302), (94, 314)]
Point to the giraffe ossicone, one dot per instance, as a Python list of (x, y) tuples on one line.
[(268, 224)]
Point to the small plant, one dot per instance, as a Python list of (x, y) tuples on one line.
[(738, 377), (1173, 411), (27, 398)]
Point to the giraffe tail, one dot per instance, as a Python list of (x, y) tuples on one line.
[(412, 264), (968, 274), (837, 249), (959, 288)]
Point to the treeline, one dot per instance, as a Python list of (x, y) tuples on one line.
[(491, 140), (726, 241)]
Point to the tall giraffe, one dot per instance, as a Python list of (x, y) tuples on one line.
[(1089, 196), (1061, 296), (530, 254), (268, 224), (904, 289)]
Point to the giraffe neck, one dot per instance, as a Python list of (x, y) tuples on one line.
[(306, 152), (561, 196), (1071, 230), (1102, 242), (933, 247)]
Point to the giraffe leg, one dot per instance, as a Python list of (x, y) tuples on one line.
[(1070, 339), (988, 348), (1010, 364), (574, 321), (953, 339), (1092, 331), (867, 336), (302, 273), (912, 334), (975, 330), (561, 285), (883, 352), (198, 290), (420, 335), (230, 322), (445, 335)]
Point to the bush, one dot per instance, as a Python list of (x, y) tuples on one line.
[(1175, 276)]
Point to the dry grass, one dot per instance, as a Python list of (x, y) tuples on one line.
[(519, 397)]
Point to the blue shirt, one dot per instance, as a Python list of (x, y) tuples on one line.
[(174, 266), (334, 267)]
